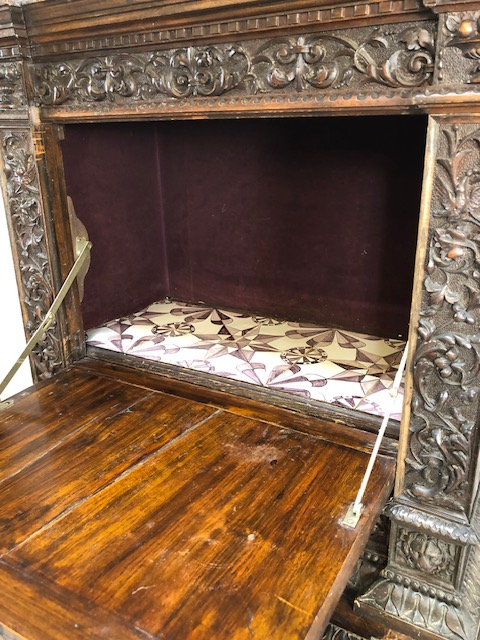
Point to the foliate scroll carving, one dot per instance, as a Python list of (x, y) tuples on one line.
[(332, 632), (209, 71), (384, 57), (27, 223), (335, 60), (442, 445)]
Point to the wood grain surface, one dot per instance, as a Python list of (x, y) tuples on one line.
[(148, 515)]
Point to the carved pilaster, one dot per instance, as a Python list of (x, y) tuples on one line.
[(434, 536), (27, 224)]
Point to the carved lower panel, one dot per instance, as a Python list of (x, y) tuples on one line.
[(332, 632), (30, 244), (397, 56)]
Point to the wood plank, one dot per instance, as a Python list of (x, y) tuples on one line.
[(44, 416), (93, 456), (350, 428), (232, 532), (30, 610)]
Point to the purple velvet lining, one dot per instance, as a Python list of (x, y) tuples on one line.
[(307, 219)]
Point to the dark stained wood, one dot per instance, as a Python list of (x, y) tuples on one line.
[(39, 422), (55, 26), (170, 518), (90, 459)]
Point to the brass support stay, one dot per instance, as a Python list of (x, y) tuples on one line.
[(355, 509), (83, 247)]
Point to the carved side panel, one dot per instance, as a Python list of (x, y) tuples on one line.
[(434, 537), (27, 224), (359, 59), (443, 446)]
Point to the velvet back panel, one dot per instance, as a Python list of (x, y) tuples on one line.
[(112, 176), (307, 219)]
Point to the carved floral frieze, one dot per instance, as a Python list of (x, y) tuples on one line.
[(393, 57), (443, 443), (24, 204)]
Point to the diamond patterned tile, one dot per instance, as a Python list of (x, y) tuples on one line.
[(321, 363)]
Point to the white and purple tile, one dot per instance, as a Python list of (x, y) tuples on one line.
[(340, 367)]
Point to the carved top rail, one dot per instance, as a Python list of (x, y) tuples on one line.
[(117, 60)]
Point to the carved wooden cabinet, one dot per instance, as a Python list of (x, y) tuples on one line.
[(68, 63)]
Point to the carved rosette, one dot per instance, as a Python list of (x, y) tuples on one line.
[(398, 57), (460, 39), (424, 553), (27, 223)]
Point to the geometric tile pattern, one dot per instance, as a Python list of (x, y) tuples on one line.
[(339, 367)]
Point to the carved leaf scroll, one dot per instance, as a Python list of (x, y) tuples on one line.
[(334, 60), (25, 208), (447, 361), (394, 57)]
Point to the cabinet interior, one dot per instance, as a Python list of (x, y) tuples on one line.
[(306, 220)]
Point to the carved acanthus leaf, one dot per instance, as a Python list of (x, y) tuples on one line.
[(424, 606)]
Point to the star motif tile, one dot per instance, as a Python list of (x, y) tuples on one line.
[(343, 368)]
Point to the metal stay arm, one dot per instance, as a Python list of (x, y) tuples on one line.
[(83, 249)]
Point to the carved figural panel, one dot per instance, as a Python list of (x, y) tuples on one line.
[(27, 223), (443, 443), (400, 56), (12, 93)]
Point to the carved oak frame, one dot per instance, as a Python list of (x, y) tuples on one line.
[(368, 58)]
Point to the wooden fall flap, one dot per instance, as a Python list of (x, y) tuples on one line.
[(136, 507)]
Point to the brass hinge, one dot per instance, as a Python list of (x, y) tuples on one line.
[(38, 145)]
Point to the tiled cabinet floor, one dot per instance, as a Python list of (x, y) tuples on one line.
[(336, 366)]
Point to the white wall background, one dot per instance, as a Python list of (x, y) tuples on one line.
[(12, 336)]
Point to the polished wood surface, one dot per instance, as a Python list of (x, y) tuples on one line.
[(129, 512)]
